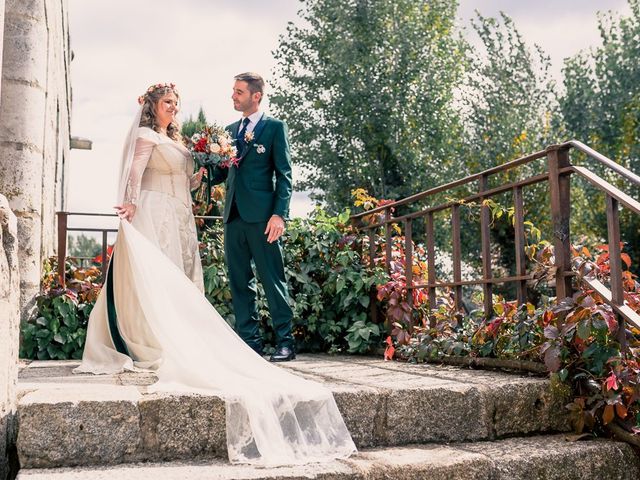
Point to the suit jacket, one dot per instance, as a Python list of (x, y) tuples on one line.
[(261, 183)]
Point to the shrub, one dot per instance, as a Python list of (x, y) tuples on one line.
[(58, 329)]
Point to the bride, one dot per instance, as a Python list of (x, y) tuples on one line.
[(152, 314)]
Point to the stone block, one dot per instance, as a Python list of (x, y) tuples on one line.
[(418, 463), (91, 424), (363, 410), (182, 426), (26, 8), (528, 406), (554, 458), (25, 52), (439, 414), (9, 330), (22, 108)]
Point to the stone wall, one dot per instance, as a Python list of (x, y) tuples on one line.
[(34, 139), (9, 321), (35, 104)]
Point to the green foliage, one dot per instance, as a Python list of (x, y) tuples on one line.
[(191, 126), (509, 96), (330, 288), (367, 89), (58, 329)]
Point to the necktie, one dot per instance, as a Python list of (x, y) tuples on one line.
[(245, 122)]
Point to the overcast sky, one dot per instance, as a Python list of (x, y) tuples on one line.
[(122, 46)]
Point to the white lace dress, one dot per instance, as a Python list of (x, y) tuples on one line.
[(152, 314)]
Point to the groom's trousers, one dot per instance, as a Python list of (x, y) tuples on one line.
[(243, 242)]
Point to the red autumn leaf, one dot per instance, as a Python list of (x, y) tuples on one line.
[(621, 410), (626, 259), (611, 382), (608, 414), (389, 351)]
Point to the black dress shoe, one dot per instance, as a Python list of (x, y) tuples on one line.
[(282, 354)]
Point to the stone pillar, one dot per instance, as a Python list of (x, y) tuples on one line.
[(34, 138), (9, 332)]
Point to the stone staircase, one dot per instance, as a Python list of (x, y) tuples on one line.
[(408, 421)]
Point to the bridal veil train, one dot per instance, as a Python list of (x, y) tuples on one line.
[(151, 315)]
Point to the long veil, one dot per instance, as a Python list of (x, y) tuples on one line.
[(272, 416), (128, 151)]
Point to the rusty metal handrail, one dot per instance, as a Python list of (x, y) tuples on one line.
[(558, 176)]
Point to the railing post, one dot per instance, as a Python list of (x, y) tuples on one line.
[(559, 189), (62, 246), (373, 297), (615, 266), (457, 256), (408, 258), (485, 233), (387, 238), (431, 267), (518, 225)]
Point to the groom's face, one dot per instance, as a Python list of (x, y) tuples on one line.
[(243, 99)]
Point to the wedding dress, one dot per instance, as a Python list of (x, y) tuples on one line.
[(161, 320)]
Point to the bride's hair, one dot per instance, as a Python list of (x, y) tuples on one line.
[(149, 102)]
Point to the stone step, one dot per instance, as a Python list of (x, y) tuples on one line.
[(535, 458), (68, 420)]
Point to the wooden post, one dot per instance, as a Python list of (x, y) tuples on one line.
[(559, 189), (457, 256), (431, 267), (62, 247), (485, 233), (518, 225)]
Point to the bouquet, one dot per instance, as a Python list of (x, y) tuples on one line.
[(212, 147)]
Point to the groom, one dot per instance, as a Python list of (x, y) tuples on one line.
[(256, 205)]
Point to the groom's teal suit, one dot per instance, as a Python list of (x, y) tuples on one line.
[(259, 187)]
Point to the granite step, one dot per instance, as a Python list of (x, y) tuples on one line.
[(69, 420), (536, 458)]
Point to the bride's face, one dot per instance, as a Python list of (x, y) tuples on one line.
[(167, 109)]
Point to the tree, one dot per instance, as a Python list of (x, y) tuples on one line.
[(509, 97), (601, 107), (509, 107), (83, 246), (191, 126), (367, 89)]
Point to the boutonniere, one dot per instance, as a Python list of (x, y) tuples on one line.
[(260, 149), (248, 137)]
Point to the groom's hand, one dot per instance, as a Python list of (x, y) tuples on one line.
[(275, 228)]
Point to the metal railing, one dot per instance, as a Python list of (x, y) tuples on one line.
[(64, 229), (558, 175)]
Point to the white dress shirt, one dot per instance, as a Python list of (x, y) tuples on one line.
[(254, 118)]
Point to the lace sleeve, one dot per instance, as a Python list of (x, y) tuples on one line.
[(140, 159)]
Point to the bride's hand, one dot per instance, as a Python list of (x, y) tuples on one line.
[(126, 211), (200, 173)]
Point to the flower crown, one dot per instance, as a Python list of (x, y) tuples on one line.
[(155, 87)]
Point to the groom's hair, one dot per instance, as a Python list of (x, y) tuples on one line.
[(254, 81)]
